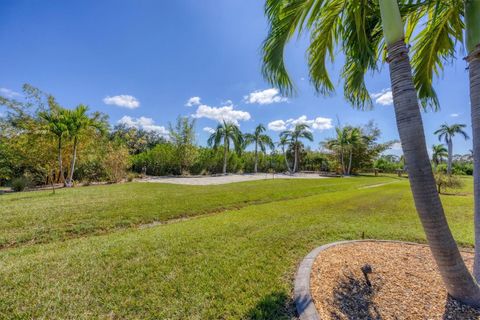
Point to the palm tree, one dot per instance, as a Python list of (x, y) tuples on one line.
[(447, 133), (360, 32), (228, 132), (344, 144), (260, 140), (438, 153), (57, 124), (437, 44), (78, 122), (285, 141), (301, 131)]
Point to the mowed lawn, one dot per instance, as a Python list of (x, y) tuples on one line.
[(237, 261)]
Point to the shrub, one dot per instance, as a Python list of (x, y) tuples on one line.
[(20, 184), (444, 182), (131, 176)]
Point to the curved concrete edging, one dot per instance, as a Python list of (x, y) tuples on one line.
[(301, 295)]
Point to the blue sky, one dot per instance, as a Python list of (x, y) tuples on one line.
[(140, 61)]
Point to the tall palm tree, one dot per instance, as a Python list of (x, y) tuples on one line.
[(434, 46), (78, 122), (447, 133), (438, 153), (300, 131), (285, 141), (260, 140), (56, 119), (344, 144), (229, 133), (360, 32)]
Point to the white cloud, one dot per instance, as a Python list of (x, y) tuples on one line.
[(9, 93), (226, 113), (277, 125), (209, 130), (147, 124), (193, 101), (318, 123), (123, 100), (396, 146), (267, 96), (454, 115), (385, 97)]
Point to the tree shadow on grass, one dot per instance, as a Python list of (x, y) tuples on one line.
[(277, 305), (455, 310), (353, 299)]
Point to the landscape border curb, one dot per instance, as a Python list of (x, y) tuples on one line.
[(302, 298)]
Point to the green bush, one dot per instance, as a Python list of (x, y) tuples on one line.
[(20, 184), (444, 182)]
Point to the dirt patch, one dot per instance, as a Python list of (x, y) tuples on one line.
[(231, 178), (401, 282)]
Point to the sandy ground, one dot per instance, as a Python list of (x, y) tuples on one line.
[(231, 178)]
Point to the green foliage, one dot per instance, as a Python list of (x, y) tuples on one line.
[(361, 143), (388, 164), (20, 184), (446, 182), (160, 161), (182, 135), (136, 140)]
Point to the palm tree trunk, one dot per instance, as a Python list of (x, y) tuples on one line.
[(225, 153), (256, 157), (450, 155), (342, 160), (72, 167), (472, 34), (60, 162), (295, 156), (286, 163), (456, 277), (350, 163)]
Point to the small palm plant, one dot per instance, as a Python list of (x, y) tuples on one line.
[(447, 133), (78, 123), (226, 132), (301, 131), (438, 153), (285, 141), (260, 140)]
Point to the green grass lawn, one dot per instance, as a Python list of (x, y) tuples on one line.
[(232, 264)]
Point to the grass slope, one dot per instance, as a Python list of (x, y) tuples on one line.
[(39, 217), (231, 265)]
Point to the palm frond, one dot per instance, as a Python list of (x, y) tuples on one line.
[(434, 46)]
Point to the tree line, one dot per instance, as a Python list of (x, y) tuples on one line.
[(42, 142)]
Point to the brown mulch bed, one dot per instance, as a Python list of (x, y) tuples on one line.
[(404, 283)]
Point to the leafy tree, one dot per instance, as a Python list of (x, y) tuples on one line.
[(438, 153), (136, 140), (259, 139), (182, 135), (447, 133), (229, 133), (301, 131), (361, 33)]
